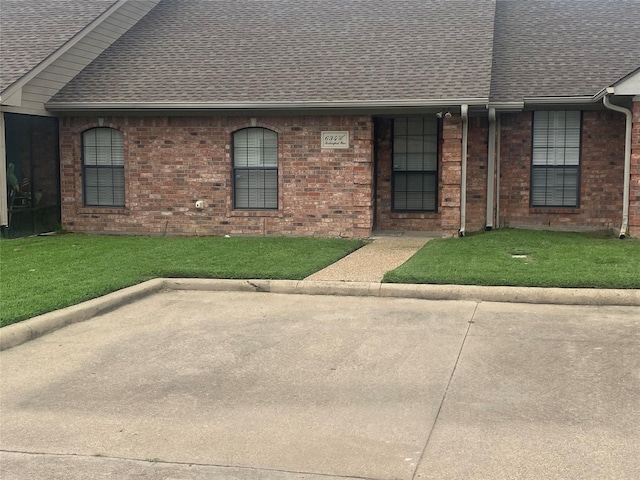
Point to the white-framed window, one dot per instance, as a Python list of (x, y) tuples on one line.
[(255, 169), (103, 167), (415, 164), (555, 159)]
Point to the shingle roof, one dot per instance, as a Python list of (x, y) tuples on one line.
[(546, 48), (229, 51), (296, 50), (31, 30)]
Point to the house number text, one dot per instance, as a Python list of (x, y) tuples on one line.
[(335, 139)]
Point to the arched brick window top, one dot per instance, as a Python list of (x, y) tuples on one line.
[(103, 167), (255, 169)]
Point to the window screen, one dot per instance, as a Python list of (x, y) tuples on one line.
[(103, 167), (555, 171), (415, 164), (255, 169)]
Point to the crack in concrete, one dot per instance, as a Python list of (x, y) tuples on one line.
[(446, 391), (187, 464)]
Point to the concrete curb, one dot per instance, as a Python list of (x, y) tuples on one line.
[(16, 334), (554, 296)]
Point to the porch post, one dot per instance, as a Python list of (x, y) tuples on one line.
[(634, 184), (4, 214), (363, 181)]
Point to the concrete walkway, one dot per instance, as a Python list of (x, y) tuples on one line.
[(371, 262)]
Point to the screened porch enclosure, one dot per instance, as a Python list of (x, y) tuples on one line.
[(33, 179)]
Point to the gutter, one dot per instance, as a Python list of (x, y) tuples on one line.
[(491, 163), (506, 106), (464, 110), (93, 106), (498, 170), (561, 100), (627, 159)]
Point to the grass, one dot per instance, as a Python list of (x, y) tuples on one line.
[(526, 258), (41, 274)]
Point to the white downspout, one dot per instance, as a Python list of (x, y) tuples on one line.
[(498, 172), (4, 214), (491, 170), (464, 109), (627, 160)]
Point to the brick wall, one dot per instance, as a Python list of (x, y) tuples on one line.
[(173, 161), (601, 184), (477, 155), (634, 185), (170, 162), (447, 218)]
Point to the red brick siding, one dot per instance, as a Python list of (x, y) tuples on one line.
[(173, 161), (447, 218), (450, 174), (602, 170), (477, 154), (634, 185)]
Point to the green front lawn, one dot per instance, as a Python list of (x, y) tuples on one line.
[(41, 274), (526, 258)]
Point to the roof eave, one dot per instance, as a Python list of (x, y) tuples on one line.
[(573, 100), (506, 106), (282, 106)]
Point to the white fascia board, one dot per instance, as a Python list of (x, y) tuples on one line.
[(424, 103), (13, 99), (26, 78), (26, 111), (598, 96)]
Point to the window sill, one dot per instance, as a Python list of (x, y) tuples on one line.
[(556, 210), (411, 215), (103, 211), (255, 213)]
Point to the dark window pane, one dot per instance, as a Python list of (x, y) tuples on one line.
[(103, 160), (415, 164), (255, 163), (555, 159)]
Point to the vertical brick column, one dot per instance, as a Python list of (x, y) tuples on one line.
[(477, 162), (363, 178), (634, 185), (69, 172), (451, 174)]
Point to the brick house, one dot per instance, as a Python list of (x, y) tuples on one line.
[(335, 118)]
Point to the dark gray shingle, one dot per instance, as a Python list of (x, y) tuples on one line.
[(31, 30), (296, 50), (562, 48)]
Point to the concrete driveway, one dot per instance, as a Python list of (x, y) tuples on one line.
[(238, 385)]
